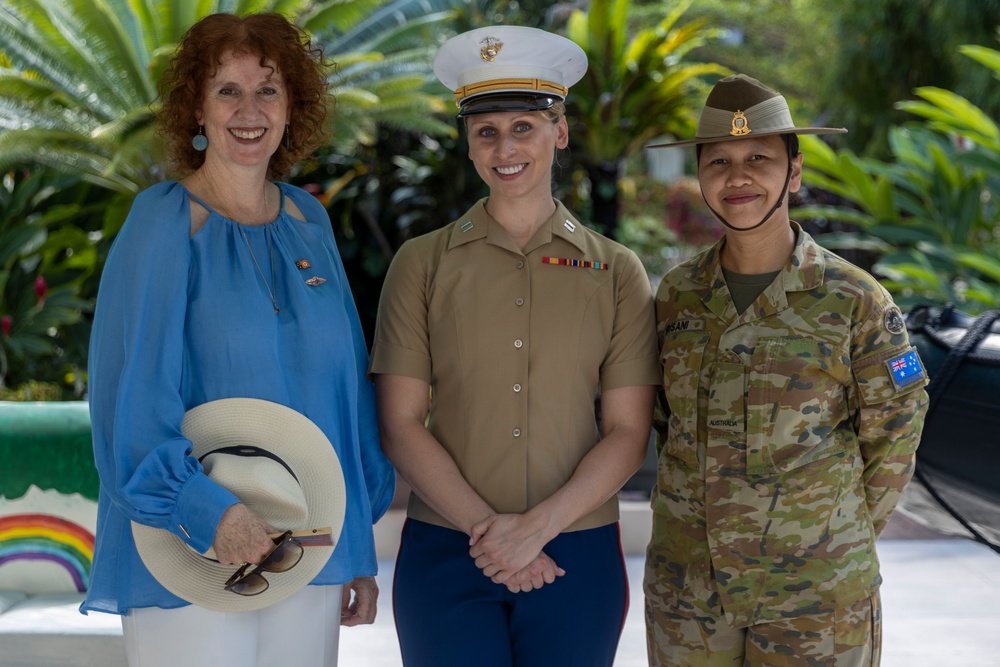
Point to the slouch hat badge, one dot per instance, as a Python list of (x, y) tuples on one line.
[(740, 126), (491, 48)]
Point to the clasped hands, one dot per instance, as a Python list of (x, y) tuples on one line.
[(509, 552)]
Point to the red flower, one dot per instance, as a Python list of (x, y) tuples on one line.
[(6, 324), (41, 287)]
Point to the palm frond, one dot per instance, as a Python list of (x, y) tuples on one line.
[(381, 17), (98, 40), (32, 50)]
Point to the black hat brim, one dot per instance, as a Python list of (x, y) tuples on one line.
[(501, 102)]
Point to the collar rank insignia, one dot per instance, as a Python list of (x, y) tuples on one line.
[(582, 263), (740, 126)]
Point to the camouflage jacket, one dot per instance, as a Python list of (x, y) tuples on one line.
[(789, 434)]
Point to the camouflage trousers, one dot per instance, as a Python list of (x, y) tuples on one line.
[(849, 637)]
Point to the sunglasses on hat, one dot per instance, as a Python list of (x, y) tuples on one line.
[(286, 554)]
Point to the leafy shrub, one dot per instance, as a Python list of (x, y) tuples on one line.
[(931, 213)]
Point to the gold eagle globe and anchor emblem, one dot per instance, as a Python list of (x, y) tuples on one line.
[(490, 48), (740, 126)]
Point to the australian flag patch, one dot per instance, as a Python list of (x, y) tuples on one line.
[(905, 369)]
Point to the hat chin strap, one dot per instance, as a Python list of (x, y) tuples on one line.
[(781, 199)]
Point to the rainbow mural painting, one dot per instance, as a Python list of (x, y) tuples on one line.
[(39, 538)]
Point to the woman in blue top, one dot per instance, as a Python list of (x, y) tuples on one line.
[(228, 284)]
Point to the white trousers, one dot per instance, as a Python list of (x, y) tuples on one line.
[(303, 630)]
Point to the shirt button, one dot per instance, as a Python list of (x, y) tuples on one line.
[(519, 301), (517, 388), (518, 343), (517, 432), (520, 265)]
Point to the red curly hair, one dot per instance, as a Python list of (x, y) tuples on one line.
[(267, 35)]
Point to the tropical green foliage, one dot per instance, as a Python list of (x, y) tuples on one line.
[(46, 256), (380, 196), (931, 214), (779, 42), (75, 91), (638, 87), (665, 223), (886, 49), (382, 71)]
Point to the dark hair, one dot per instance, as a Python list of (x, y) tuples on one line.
[(199, 56), (792, 144)]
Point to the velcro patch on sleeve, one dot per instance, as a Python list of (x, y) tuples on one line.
[(905, 369)]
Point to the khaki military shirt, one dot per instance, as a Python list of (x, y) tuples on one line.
[(791, 434), (515, 346)]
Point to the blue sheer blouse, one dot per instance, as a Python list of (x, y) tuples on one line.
[(183, 320)]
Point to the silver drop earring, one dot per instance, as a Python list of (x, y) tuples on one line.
[(200, 141)]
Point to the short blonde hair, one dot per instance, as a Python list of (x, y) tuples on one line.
[(554, 112)]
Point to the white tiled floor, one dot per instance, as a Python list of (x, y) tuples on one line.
[(941, 603)]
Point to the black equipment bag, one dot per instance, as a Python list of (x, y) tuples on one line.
[(960, 446)]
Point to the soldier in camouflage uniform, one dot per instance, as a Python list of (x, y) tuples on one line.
[(792, 410)]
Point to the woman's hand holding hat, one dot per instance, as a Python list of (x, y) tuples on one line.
[(241, 537), (286, 474)]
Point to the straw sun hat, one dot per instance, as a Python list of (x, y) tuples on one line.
[(741, 107), (279, 464)]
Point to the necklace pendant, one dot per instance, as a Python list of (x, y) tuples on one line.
[(270, 256)]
